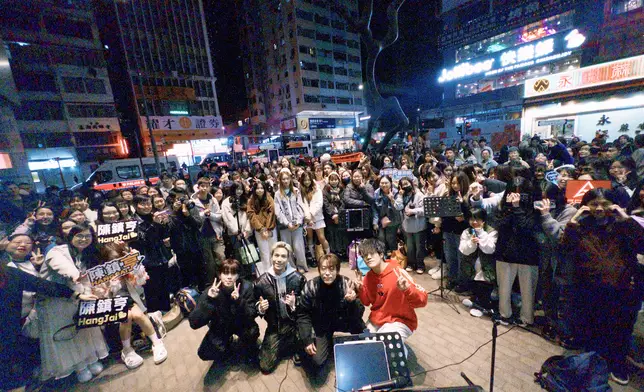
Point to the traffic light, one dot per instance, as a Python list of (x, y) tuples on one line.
[(459, 129)]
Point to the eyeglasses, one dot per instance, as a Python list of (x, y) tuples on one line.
[(83, 236)]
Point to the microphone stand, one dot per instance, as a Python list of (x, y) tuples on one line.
[(441, 288), (495, 331)]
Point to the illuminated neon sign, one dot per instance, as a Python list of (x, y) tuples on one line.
[(549, 49)]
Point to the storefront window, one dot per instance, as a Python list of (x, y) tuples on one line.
[(623, 6), (518, 36), (514, 79)]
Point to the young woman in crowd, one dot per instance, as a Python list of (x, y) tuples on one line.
[(128, 286), (290, 217), (410, 204), (184, 229), (518, 250), (332, 206), (108, 213), (233, 212), (17, 352), (386, 218), (599, 247), (152, 241), (320, 180), (313, 202), (82, 351), (78, 217), (80, 203), (124, 207), (452, 227), (261, 214)]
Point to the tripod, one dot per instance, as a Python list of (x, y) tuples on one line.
[(442, 290)]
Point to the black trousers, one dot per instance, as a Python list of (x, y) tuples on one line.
[(216, 344), (157, 296), (277, 344), (192, 268), (416, 250), (388, 235)]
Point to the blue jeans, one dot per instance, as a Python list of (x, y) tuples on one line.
[(452, 255)]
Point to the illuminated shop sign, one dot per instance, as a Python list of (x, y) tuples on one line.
[(545, 50), (631, 68)]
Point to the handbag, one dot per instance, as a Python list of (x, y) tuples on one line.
[(247, 253)]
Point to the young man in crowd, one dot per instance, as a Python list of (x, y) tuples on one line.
[(328, 304), (390, 291), (276, 292), (210, 219), (228, 308)]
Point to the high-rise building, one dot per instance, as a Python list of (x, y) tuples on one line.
[(160, 64), (302, 69), (64, 120)]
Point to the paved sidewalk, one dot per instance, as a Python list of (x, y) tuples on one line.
[(443, 337)]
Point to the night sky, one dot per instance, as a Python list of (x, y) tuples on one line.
[(410, 66)]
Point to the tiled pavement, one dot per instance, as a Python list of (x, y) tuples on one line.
[(443, 337)]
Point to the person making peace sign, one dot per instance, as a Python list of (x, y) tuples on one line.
[(228, 308)]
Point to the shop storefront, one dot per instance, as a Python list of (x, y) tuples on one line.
[(605, 97), (328, 133)]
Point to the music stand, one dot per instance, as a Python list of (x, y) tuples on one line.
[(441, 207), (394, 347)]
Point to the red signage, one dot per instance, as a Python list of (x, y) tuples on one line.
[(576, 189)]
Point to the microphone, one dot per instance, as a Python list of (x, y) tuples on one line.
[(396, 382)]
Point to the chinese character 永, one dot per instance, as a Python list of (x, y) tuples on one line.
[(564, 81)]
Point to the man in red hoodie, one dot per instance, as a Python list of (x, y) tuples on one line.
[(391, 292)]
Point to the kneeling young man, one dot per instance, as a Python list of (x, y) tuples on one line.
[(328, 304), (390, 291), (229, 309), (276, 292)]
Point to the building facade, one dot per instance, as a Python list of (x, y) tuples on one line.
[(302, 69), (65, 120), (490, 47), (159, 57)]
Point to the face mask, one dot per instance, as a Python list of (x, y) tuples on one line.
[(407, 189), (346, 181), (181, 187)]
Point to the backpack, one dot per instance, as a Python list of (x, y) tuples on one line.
[(574, 373)]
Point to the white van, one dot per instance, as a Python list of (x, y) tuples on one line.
[(117, 174)]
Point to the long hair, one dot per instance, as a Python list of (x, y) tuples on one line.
[(257, 202), (285, 172), (50, 229), (88, 252), (307, 192), (463, 182), (101, 218)]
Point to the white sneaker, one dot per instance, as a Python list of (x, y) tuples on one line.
[(437, 275), (96, 368), (84, 375), (131, 359), (434, 270), (159, 352)]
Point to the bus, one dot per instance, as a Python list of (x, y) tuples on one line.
[(278, 147)]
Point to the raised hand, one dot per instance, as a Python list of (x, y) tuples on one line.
[(85, 204), (582, 210), (350, 294), (31, 220), (263, 305), (543, 207), (37, 258), (619, 211), (3, 243), (356, 284), (402, 283), (235, 294), (475, 191), (213, 292), (290, 300)]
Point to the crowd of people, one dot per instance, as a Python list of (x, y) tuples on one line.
[(578, 263)]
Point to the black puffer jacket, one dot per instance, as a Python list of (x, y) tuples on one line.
[(150, 242), (266, 287), (184, 232), (223, 314), (323, 308), (361, 197)]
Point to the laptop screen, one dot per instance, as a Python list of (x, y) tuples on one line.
[(360, 363)]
